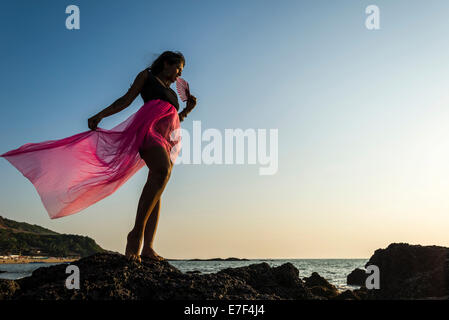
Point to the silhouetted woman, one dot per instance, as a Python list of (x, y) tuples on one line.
[(151, 83), (72, 173)]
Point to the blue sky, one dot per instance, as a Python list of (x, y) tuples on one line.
[(361, 117)]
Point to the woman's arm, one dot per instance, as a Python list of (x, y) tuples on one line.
[(122, 102)]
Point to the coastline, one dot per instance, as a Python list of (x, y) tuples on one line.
[(123, 279), (24, 260)]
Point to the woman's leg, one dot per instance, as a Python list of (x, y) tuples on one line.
[(150, 230), (159, 164)]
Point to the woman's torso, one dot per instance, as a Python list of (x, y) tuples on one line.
[(153, 89)]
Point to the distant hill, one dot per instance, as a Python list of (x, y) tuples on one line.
[(27, 239), (15, 226)]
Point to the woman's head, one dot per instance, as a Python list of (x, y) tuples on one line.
[(169, 64)]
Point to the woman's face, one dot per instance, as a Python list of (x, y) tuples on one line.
[(173, 71)]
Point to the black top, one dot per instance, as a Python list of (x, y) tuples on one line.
[(153, 89)]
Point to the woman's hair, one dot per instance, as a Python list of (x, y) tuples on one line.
[(171, 57)]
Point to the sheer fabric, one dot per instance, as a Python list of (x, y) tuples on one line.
[(73, 173)]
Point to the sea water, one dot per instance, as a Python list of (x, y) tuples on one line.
[(16, 271), (333, 270)]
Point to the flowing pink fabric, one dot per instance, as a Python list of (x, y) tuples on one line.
[(73, 173)]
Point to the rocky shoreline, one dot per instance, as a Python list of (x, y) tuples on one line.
[(406, 272)]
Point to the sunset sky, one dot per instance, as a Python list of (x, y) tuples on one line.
[(362, 118)]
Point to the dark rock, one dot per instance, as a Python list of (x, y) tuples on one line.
[(347, 295), (406, 272), (361, 293), (411, 272), (7, 289), (282, 282), (109, 276), (357, 277), (320, 287), (193, 272)]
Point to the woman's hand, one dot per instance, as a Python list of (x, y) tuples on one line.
[(191, 103), (93, 122), (181, 115)]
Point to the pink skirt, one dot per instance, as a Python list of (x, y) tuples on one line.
[(73, 173)]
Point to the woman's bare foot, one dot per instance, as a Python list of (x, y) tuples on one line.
[(151, 254), (134, 241)]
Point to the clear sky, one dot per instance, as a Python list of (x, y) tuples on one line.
[(362, 118)]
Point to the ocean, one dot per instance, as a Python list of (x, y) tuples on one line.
[(333, 270)]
